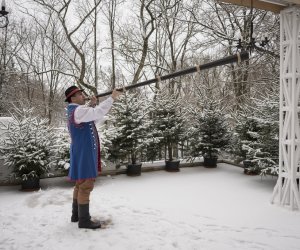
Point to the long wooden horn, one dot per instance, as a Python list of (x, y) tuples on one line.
[(244, 55)]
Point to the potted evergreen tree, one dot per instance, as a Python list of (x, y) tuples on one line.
[(258, 134), (63, 153), (213, 134), (247, 130), (28, 148), (126, 132), (168, 127)]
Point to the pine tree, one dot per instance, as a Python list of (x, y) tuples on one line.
[(258, 134), (29, 145), (63, 152), (125, 129), (247, 129), (167, 123), (210, 132)]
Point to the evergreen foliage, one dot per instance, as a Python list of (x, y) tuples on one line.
[(28, 145), (63, 152), (125, 129), (259, 135), (210, 132), (166, 123), (247, 129)]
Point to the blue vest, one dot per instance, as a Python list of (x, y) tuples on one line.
[(85, 148)]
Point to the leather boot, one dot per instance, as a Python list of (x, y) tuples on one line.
[(74, 217), (85, 218)]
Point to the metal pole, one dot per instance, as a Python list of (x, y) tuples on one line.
[(2, 71)]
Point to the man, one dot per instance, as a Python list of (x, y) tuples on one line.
[(85, 150)]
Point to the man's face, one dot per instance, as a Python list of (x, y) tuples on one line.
[(78, 98)]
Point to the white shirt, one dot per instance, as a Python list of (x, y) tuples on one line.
[(86, 114)]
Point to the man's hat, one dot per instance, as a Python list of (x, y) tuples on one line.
[(71, 91)]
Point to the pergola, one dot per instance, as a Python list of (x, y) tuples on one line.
[(286, 191), (271, 5)]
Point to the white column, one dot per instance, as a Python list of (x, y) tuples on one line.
[(286, 191)]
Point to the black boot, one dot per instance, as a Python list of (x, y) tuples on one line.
[(85, 218), (74, 217)]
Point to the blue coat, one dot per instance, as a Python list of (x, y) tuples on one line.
[(85, 148)]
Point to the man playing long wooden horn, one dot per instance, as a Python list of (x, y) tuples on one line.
[(84, 150)]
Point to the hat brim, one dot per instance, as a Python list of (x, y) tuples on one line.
[(73, 93)]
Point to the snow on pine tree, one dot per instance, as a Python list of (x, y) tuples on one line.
[(125, 129), (28, 145), (209, 132), (247, 138), (166, 126), (268, 110), (258, 134), (63, 151)]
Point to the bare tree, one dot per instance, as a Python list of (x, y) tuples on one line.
[(39, 61), (110, 12), (179, 34), (77, 34), (222, 25), (135, 38), (11, 44)]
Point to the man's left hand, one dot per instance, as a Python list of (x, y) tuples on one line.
[(93, 101)]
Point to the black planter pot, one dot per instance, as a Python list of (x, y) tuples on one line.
[(172, 166), (247, 163), (210, 162), (249, 168), (134, 169), (31, 184)]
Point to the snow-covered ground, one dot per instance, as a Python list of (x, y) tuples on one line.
[(197, 208)]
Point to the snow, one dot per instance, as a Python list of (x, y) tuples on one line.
[(4, 121), (197, 208)]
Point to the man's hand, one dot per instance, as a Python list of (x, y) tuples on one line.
[(115, 94), (93, 101)]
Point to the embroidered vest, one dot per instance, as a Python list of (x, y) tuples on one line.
[(84, 149)]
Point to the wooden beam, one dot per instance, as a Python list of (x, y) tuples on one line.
[(294, 1), (258, 4)]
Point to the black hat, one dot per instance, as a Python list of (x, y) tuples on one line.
[(71, 91)]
